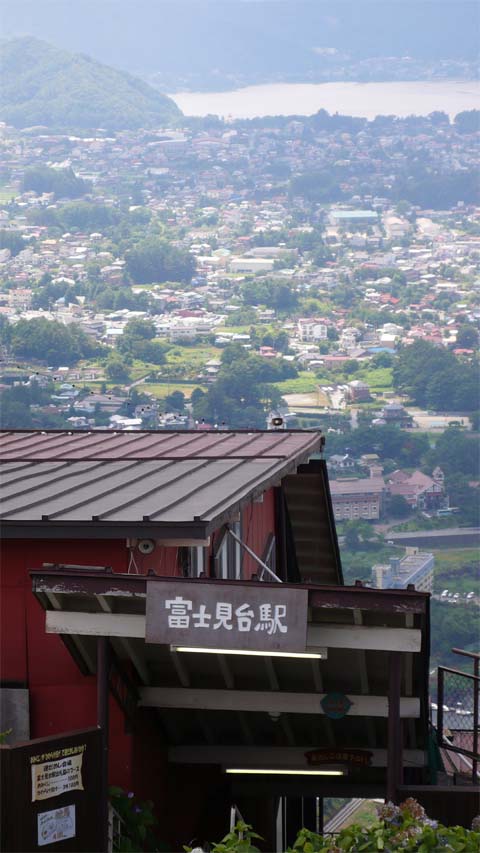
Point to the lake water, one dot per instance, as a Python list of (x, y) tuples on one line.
[(354, 99)]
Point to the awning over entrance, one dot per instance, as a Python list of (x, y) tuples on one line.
[(262, 711)]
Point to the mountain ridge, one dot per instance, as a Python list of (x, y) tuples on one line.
[(44, 85)]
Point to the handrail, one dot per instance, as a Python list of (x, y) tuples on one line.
[(474, 655), (459, 672)]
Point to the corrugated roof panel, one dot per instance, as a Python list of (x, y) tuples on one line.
[(155, 477), (151, 490), (221, 488), (48, 496), (149, 444)]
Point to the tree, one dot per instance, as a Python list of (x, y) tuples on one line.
[(5, 331), (51, 342), (175, 402), (155, 260), (116, 370), (273, 293), (467, 121), (433, 377), (467, 337), (456, 453), (13, 241), (399, 507), (64, 183), (137, 342), (382, 359), (137, 329), (351, 366), (14, 415)]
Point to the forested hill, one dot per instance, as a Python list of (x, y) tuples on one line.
[(42, 85)]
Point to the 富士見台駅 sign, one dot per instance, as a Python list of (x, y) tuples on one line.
[(229, 616)]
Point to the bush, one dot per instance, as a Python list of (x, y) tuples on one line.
[(404, 827), (137, 822)]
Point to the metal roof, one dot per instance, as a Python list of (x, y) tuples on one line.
[(55, 483), (176, 444)]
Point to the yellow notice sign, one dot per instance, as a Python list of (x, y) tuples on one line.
[(52, 778)]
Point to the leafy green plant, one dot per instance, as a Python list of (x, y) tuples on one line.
[(404, 827), (137, 822), (238, 840), (4, 735)]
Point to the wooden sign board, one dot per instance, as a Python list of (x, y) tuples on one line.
[(51, 794), (350, 757), (249, 617)]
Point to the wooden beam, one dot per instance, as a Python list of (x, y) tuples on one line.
[(272, 756), (318, 682), (95, 624), (126, 645), (318, 635), (364, 637), (81, 649), (364, 684), (264, 700), (395, 743)]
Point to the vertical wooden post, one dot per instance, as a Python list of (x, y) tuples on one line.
[(103, 692), (395, 745), (320, 815)]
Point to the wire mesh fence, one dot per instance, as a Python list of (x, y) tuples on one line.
[(458, 711)]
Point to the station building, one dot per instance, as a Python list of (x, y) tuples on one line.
[(184, 592)]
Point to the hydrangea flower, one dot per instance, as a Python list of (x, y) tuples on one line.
[(412, 808)]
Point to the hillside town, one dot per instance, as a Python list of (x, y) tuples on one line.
[(240, 423), (323, 246)]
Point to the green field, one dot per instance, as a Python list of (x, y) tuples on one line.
[(7, 193), (457, 569), (377, 378), (160, 390), (190, 357), (304, 383)]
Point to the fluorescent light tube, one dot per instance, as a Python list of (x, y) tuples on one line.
[(265, 772), (320, 655)]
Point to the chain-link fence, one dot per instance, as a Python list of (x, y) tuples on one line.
[(458, 711)]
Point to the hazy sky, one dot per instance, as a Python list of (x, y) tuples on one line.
[(235, 35)]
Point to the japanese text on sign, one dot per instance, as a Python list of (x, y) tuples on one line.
[(52, 778), (268, 617), (231, 616)]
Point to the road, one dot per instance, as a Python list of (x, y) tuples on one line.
[(446, 536)]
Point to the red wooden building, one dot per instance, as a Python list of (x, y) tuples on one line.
[(93, 524)]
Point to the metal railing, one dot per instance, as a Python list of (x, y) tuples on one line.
[(235, 816), (458, 710)]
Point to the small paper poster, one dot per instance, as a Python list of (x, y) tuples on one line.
[(56, 825), (51, 778)]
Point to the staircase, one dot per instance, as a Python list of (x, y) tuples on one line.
[(312, 525)]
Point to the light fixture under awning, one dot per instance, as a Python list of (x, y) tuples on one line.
[(320, 654), (283, 772)]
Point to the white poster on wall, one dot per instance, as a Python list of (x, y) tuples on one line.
[(51, 778), (56, 825)]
